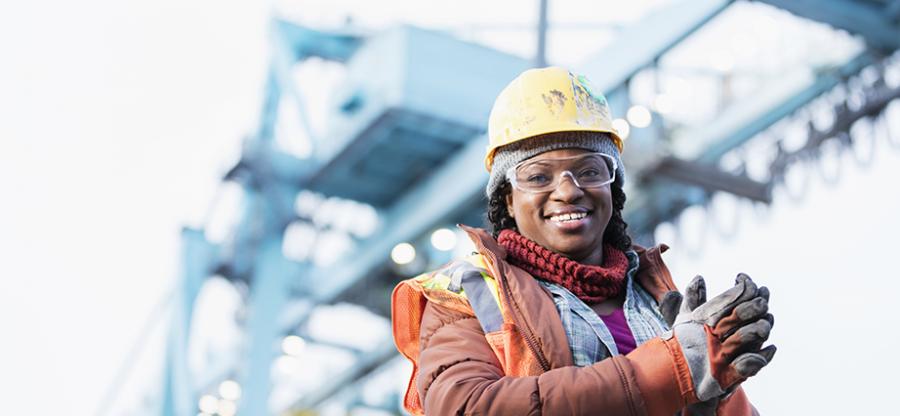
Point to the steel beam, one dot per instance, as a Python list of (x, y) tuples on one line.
[(291, 43), (198, 258), (874, 24), (305, 42), (365, 364), (711, 178), (460, 180), (269, 293), (540, 58), (638, 45)]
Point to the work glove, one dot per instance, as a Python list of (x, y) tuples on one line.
[(670, 306), (695, 295), (721, 339)]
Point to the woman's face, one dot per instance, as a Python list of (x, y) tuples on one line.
[(538, 215)]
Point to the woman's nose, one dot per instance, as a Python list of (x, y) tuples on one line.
[(567, 188)]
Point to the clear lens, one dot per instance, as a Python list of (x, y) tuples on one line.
[(591, 170)]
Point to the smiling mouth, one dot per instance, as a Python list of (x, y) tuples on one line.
[(570, 217)]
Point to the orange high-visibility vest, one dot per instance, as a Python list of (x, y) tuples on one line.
[(467, 286)]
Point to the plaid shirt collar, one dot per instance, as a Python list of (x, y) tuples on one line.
[(589, 338)]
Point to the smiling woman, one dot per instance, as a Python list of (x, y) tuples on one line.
[(557, 312), (555, 209)]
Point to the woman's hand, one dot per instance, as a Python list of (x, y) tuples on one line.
[(722, 338)]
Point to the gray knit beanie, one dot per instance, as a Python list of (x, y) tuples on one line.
[(514, 153)]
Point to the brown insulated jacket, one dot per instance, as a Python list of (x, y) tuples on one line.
[(526, 367)]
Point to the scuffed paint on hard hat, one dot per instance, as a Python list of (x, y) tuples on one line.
[(556, 102)]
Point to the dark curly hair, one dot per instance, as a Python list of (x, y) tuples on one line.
[(615, 234)]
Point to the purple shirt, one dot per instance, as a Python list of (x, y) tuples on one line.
[(620, 331)]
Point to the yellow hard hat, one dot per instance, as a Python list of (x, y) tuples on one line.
[(546, 100)]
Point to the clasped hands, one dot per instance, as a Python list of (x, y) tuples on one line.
[(722, 338)]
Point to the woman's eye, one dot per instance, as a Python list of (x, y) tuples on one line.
[(539, 178), (588, 173)]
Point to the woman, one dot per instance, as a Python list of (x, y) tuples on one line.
[(557, 312)]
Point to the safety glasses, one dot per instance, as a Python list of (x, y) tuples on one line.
[(591, 170)]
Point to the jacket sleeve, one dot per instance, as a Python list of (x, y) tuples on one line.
[(460, 375), (736, 404)]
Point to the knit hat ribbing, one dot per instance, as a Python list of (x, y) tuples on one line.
[(514, 153)]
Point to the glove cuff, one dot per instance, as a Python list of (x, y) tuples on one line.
[(681, 368), (663, 376)]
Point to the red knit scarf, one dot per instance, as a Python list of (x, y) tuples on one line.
[(590, 283)]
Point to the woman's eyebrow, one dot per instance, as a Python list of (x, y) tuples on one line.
[(537, 163)]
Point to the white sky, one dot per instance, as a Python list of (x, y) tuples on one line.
[(829, 262), (118, 119)]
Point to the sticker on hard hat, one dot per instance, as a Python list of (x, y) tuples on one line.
[(591, 107), (586, 84)]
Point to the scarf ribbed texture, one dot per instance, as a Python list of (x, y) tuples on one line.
[(591, 284)]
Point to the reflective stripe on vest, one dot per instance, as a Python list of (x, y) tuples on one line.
[(482, 300)]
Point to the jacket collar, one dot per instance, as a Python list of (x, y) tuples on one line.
[(653, 274), (533, 304)]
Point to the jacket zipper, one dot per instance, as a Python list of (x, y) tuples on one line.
[(526, 331)]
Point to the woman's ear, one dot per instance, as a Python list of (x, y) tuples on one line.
[(509, 205)]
